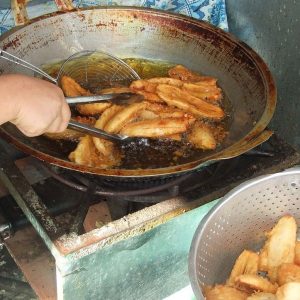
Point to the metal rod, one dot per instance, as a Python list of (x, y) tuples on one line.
[(26, 197), (16, 60), (85, 200), (116, 98), (95, 131), (112, 193)]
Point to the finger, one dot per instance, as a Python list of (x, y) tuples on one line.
[(54, 126), (65, 117)]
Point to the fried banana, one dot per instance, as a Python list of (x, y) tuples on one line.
[(174, 137), (223, 292), (143, 85), (120, 119), (71, 88), (156, 128), (251, 283), (166, 80), (280, 246), (262, 296), (246, 263), (107, 115), (207, 93), (163, 111), (92, 109), (297, 253), (206, 80), (288, 273), (263, 260), (201, 137), (176, 97), (152, 97), (104, 146), (289, 291), (117, 90), (184, 74), (87, 154)]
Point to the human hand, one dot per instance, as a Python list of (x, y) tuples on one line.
[(34, 105)]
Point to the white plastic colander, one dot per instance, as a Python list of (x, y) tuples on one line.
[(239, 222)]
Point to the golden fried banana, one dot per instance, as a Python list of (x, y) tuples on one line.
[(107, 115), (117, 90), (263, 260), (289, 291), (147, 115), (184, 74), (115, 124), (297, 253), (98, 108), (280, 246), (163, 111), (207, 93), (251, 283), (200, 87), (157, 128), (91, 109), (262, 296), (71, 88), (201, 136), (183, 105), (104, 146), (246, 263), (206, 80), (288, 273), (181, 99), (174, 137), (223, 292), (166, 80), (143, 85), (152, 97), (87, 154)]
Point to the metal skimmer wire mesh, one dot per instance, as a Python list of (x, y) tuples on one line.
[(239, 222), (95, 70)]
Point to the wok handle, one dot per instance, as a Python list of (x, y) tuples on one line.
[(246, 146)]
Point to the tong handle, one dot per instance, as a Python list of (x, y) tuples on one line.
[(95, 131), (18, 61), (115, 98)]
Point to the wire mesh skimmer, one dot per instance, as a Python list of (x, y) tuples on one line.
[(93, 70)]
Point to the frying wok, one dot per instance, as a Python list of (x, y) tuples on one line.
[(150, 34)]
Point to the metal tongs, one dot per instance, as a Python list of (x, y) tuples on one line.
[(120, 99), (117, 98)]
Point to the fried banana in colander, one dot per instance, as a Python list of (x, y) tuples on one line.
[(222, 292), (279, 247), (246, 263), (252, 282)]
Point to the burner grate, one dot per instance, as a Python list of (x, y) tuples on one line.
[(65, 191)]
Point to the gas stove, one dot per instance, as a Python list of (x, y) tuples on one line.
[(77, 216)]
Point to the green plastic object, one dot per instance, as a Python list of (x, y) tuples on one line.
[(153, 265)]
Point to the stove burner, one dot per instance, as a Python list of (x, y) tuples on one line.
[(58, 194), (148, 190), (141, 191)]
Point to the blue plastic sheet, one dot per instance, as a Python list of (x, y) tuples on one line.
[(213, 11)]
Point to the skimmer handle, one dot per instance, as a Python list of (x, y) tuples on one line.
[(18, 61)]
